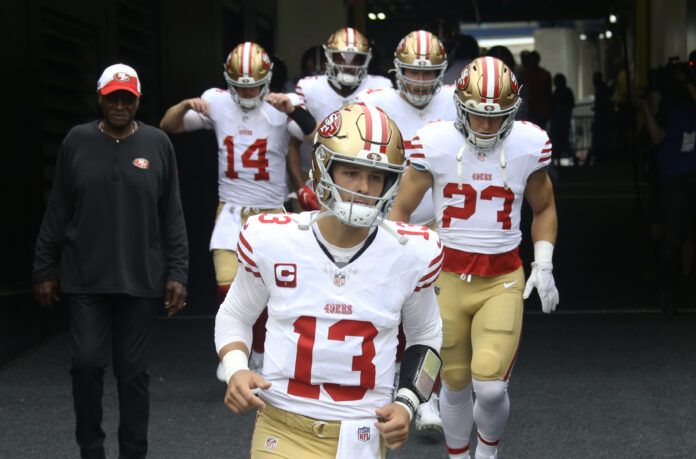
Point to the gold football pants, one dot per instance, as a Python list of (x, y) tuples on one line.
[(481, 326)]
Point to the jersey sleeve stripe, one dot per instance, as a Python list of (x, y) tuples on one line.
[(255, 273), (417, 155), (244, 242), (541, 160), (422, 287), (244, 258), (547, 150), (412, 144), (437, 259)]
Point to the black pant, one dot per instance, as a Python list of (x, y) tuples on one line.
[(126, 324)]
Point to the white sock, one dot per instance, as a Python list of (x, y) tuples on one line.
[(457, 419), (491, 411)]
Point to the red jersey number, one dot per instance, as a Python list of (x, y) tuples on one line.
[(469, 207), (301, 385), (260, 163)]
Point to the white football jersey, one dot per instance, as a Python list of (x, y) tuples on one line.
[(331, 334), (320, 99), (252, 147), (409, 119), (475, 212)]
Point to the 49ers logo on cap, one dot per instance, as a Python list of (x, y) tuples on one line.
[(463, 81), (121, 76), (331, 125)]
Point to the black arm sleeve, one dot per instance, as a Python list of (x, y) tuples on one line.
[(49, 241), (420, 366), (304, 120)]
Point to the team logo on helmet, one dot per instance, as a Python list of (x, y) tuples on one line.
[(402, 46), (489, 108), (514, 85), (463, 81), (331, 124), (372, 156), (266, 61)]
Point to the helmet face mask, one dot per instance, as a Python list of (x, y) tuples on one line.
[(420, 51), (486, 88), (357, 135), (248, 66), (348, 55)]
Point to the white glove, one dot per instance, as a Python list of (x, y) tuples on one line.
[(542, 277)]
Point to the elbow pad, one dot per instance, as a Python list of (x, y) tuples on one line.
[(304, 120), (420, 366)]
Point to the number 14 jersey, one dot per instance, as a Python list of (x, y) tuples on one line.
[(331, 334)]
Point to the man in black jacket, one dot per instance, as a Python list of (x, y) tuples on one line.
[(113, 240)]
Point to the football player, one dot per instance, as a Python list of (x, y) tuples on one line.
[(252, 142), (480, 169), (348, 55), (420, 62), (337, 283)]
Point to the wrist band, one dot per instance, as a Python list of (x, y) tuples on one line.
[(234, 361)]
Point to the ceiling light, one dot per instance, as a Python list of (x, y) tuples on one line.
[(613, 18), (601, 36), (583, 37), (381, 16), (608, 34), (372, 16)]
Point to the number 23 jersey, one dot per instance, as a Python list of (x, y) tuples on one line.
[(331, 334), (477, 205)]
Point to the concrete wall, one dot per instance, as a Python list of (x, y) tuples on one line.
[(668, 21), (304, 23), (558, 48)]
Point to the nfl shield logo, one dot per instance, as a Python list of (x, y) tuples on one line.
[(364, 434), (339, 279), (481, 156), (271, 442)]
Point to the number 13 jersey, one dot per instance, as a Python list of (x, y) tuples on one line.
[(331, 334)]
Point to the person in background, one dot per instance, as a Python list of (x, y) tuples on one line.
[(113, 242), (562, 104), (251, 128)]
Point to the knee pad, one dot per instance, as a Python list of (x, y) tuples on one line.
[(486, 363), (455, 377), (490, 392)]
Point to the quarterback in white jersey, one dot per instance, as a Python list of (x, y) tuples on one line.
[(251, 130), (337, 283), (480, 169), (348, 55)]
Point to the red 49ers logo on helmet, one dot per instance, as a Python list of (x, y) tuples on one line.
[(331, 124), (402, 46), (266, 61), (514, 85), (463, 81)]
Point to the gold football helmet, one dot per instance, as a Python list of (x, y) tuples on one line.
[(248, 66), (420, 51), (348, 54), (486, 87), (362, 135)]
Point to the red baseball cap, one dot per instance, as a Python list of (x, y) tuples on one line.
[(119, 77)]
